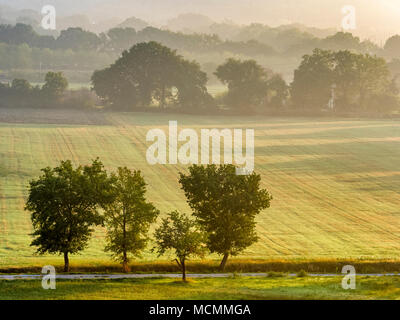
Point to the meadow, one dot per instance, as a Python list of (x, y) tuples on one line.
[(335, 182), (234, 288)]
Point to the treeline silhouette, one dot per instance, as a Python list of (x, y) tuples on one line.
[(21, 47), (152, 77), (64, 217), (20, 93)]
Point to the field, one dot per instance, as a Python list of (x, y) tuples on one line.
[(239, 288), (335, 182)]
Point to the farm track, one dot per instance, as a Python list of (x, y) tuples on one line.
[(170, 275)]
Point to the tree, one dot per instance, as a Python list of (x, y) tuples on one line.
[(278, 91), (373, 81), (346, 76), (341, 41), (64, 205), (21, 87), (361, 80), (150, 73), (77, 39), (246, 81), (121, 38), (191, 84), (392, 46), (128, 217), (55, 84), (225, 206), (313, 79), (179, 233)]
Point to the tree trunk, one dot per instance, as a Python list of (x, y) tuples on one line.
[(183, 270), (66, 262), (223, 262), (125, 266)]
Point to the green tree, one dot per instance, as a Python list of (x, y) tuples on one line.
[(225, 206), (128, 217), (21, 87), (392, 46), (179, 233), (373, 81), (341, 41), (361, 81), (55, 84), (121, 38), (278, 92), (64, 205), (246, 81), (346, 76), (313, 79), (77, 39), (150, 73)]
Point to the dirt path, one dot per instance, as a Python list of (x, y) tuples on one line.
[(166, 275)]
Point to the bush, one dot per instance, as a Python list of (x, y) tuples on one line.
[(79, 99), (302, 274), (273, 274)]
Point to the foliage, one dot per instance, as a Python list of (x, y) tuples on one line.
[(151, 73), (55, 85), (359, 82), (129, 216), (179, 233), (251, 86), (64, 205), (392, 46), (246, 81), (225, 205)]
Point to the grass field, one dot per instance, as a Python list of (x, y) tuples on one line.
[(239, 288), (335, 183)]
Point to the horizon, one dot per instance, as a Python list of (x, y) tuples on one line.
[(326, 15)]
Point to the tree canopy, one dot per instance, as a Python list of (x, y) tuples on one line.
[(225, 206), (179, 233), (250, 86), (128, 216), (64, 205), (360, 82), (148, 74)]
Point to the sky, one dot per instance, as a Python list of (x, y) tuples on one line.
[(376, 19)]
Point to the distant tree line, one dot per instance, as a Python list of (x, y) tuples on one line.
[(255, 39), (340, 82), (152, 77), (352, 82), (20, 93), (67, 203), (78, 48)]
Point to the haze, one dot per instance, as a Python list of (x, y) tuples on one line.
[(376, 19)]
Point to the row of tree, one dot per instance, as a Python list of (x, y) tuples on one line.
[(351, 82), (67, 202), (20, 93), (253, 40), (151, 74)]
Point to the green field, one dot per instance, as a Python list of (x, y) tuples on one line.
[(240, 288), (335, 183)]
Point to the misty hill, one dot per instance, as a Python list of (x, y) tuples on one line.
[(376, 19), (190, 22), (135, 23)]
